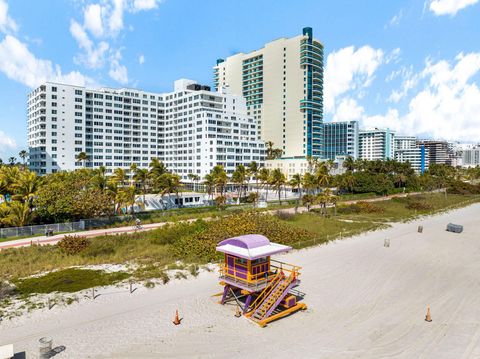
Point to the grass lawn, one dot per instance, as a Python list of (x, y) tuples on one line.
[(68, 280), (330, 228), (396, 209)]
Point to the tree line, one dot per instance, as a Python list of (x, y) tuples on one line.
[(88, 193)]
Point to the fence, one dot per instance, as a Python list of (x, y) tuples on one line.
[(41, 229)]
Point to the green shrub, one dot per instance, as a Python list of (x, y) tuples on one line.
[(201, 246), (419, 206), (72, 245), (368, 207), (68, 280), (360, 207)]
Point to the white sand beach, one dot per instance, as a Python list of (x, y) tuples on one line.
[(364, 301)]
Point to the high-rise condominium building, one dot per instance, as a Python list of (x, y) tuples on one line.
[(341, 139), (440, 152), (376, 144), (283, 85), (191, 129), (471, 156), (407, 150)]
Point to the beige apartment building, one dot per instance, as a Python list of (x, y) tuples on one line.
[(283, 86)]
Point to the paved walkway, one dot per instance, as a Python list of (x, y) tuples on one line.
[(43, 240)]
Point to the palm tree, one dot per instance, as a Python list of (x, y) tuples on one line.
[(82, 157), (17, 214), (322, 176), (253, 170), (100, 179), (170, 183), (26, 186), (157, 168), (141, 177), (220, 177), (309, 182), (119, 176), (349, 163), (296, 182), (195, 178), (209, 184), (272, 153), (126, 197), (277, 180), (349, 180), (263, 177), (239, 176), (23, 155), (12, 161), (308, 200)]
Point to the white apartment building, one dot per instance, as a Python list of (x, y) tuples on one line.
[(376, 144), (470, 156), (204, 129), (191, 129), (407, 150), (116, 128), (283, 86)]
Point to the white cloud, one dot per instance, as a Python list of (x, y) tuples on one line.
[(348, 110), (409, 81), (115, 21), (141, 59), (348, 69), (93, 19), (395, 20), (117, 71), (446, 107), (20, 65), (7, 24), (103, 20), (93, 55), (139, 5), (7, 142), (449, 7)]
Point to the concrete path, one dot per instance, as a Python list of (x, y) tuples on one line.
[(43, 240)]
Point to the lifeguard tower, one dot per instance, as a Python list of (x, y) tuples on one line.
[(266, 286)]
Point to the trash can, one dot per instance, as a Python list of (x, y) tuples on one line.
[(420, 229), (386, 242), (45, 347)]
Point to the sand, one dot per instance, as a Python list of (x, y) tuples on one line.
[(364, 301)]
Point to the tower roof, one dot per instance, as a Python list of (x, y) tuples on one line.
[(251, 246)]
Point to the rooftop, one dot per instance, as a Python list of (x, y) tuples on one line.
[(251, 246)]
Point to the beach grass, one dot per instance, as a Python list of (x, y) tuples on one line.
[(68, 280), (148, 255)]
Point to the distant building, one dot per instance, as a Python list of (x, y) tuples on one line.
[(471, 156), (191, 129), (341, 139), (406, 150), (440, 152), (283, 86), (376, 144), (289, 166)]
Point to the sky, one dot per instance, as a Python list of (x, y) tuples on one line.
[(412, 65)]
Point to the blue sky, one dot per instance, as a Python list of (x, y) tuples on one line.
[(410, 65)]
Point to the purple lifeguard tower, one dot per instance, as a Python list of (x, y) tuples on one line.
[(267, 286)]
